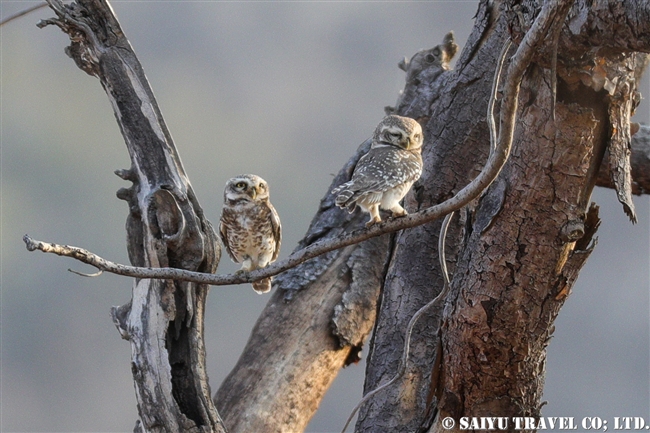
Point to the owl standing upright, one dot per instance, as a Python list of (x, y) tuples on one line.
[(250, 227), (384, 175)]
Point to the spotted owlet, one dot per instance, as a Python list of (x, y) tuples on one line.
[(250, 227), (384, 175)]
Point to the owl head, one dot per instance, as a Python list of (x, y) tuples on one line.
[(246, 188), (402, 132)]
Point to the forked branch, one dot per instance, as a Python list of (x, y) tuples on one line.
[(474, 189), (467, 194)]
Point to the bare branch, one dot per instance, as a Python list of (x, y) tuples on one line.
[(83, 274), (470, 192), (464, 196), (21, 13), (473, 190)]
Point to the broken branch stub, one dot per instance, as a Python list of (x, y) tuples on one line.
[(165, 228)]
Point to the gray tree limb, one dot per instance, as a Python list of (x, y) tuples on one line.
[(335, 274), (165, 227)]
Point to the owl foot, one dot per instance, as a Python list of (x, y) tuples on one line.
[(398, 212), (374, 220)]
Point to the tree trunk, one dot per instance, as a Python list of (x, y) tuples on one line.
[(165, 228), (322, 311), (514, 253), (520, 248)]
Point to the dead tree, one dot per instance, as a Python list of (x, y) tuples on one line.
[(518, 250), (570, 81), (165, 228)]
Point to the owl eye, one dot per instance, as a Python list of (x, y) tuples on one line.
[(240, 185), (416, 137)]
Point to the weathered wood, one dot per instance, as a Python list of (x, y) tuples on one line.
[(640, 162), (318, 319), (452, 155), (515, 272), (165, 228), (459, 141), (515, 252)]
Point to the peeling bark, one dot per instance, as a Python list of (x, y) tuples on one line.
[(165, 227), (639, 160), (337, 290), (514, 253), (514, 275), (520, 249)]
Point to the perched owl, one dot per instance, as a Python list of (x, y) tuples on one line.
[(250, 227), (384, 175)]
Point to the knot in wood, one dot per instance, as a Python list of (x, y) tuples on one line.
[(572, 231)]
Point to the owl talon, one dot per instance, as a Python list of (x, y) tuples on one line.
[(373, 221)]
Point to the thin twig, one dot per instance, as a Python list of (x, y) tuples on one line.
[(83, 274), (21, 13), (401, 369), (493, 96), (499, 149), (495, 163), (467, 194), (463, 197)]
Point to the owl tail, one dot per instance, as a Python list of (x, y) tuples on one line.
[(262, 286), (346, 199)]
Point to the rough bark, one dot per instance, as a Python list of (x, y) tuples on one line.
[(521, 249), (337, 292), (516, 270), (165, 227), (456, 147), (639, 160), (515, 252)]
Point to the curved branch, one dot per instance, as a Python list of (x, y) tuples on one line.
[(22, 13), (495, 163), (467, 194)]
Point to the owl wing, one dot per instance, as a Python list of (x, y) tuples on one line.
[(227, 217), (276, 230), (377, 171)]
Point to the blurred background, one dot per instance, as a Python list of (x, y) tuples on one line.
[(285, 90)]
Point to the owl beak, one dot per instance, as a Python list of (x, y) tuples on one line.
[(253, 193)]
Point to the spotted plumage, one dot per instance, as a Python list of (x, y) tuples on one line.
[(384, 175), (250, 227)]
